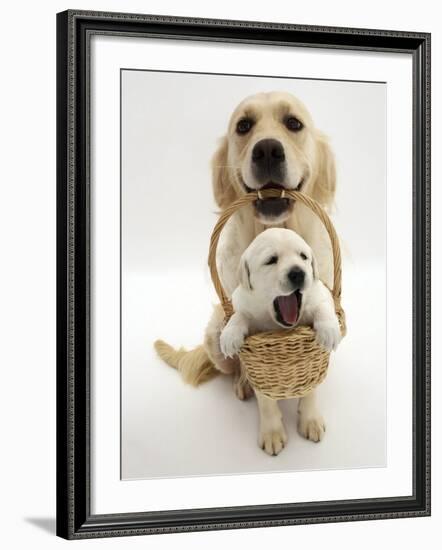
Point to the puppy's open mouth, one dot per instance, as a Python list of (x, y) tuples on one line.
[(287, 308)]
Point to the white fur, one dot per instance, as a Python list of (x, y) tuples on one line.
[(253, 301), (310, 161), (253, 307)]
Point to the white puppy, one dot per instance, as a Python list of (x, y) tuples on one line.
[(279, 287)]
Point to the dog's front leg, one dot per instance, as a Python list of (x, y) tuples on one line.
[(310, 421), (228, 365), (272, 435), (231, 340)]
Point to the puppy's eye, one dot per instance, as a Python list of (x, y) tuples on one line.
[(293, 124), (272, 260), (303, 256), (244, 125)]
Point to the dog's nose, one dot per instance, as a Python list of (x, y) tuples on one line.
[(268, 152), (296, 276)]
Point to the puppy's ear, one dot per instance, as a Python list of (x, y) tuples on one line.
[(244, 274), (315, 268), (324, 172), (223, 189)]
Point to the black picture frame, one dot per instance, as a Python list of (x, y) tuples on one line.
[(74, 518)]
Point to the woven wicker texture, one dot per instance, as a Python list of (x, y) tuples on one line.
[(284, 363)]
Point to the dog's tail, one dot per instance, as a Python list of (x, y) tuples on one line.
[(194, 365)]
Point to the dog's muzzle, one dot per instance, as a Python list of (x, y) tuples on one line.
[(269, 169)]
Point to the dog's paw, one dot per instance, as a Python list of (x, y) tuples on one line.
[(328, 334), (272, 441), (231, 340), (312, 428)]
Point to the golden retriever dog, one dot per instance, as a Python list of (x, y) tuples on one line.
[(279, 288), (271, 141)]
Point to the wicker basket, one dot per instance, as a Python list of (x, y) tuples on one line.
[(284, 363)]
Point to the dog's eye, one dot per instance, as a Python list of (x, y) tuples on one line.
[(272, 260), (244, 125), (303, 256), (293, 124)]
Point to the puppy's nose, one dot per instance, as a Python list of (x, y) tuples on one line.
[(268, 152), (296, 276)]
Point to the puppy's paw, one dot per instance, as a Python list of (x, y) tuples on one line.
[(312, 428), (272, 441), (231, 340), (328, 334)]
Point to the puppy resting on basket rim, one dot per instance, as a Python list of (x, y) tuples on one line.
[(279, 287)]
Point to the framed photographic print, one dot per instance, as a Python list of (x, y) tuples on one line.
[(243, 274)]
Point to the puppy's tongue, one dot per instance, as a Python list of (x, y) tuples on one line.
[(288, 307)]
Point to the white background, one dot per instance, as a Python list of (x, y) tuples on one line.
[(28, 275), (168, 213)]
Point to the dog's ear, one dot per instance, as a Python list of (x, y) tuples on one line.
[(324, 172), (244, 274), (223, 189), (315, 268)]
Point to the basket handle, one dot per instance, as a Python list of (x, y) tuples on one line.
[(273, 193)]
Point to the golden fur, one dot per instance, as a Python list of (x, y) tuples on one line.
[(185, 362), (309, 148), (310, 158)]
